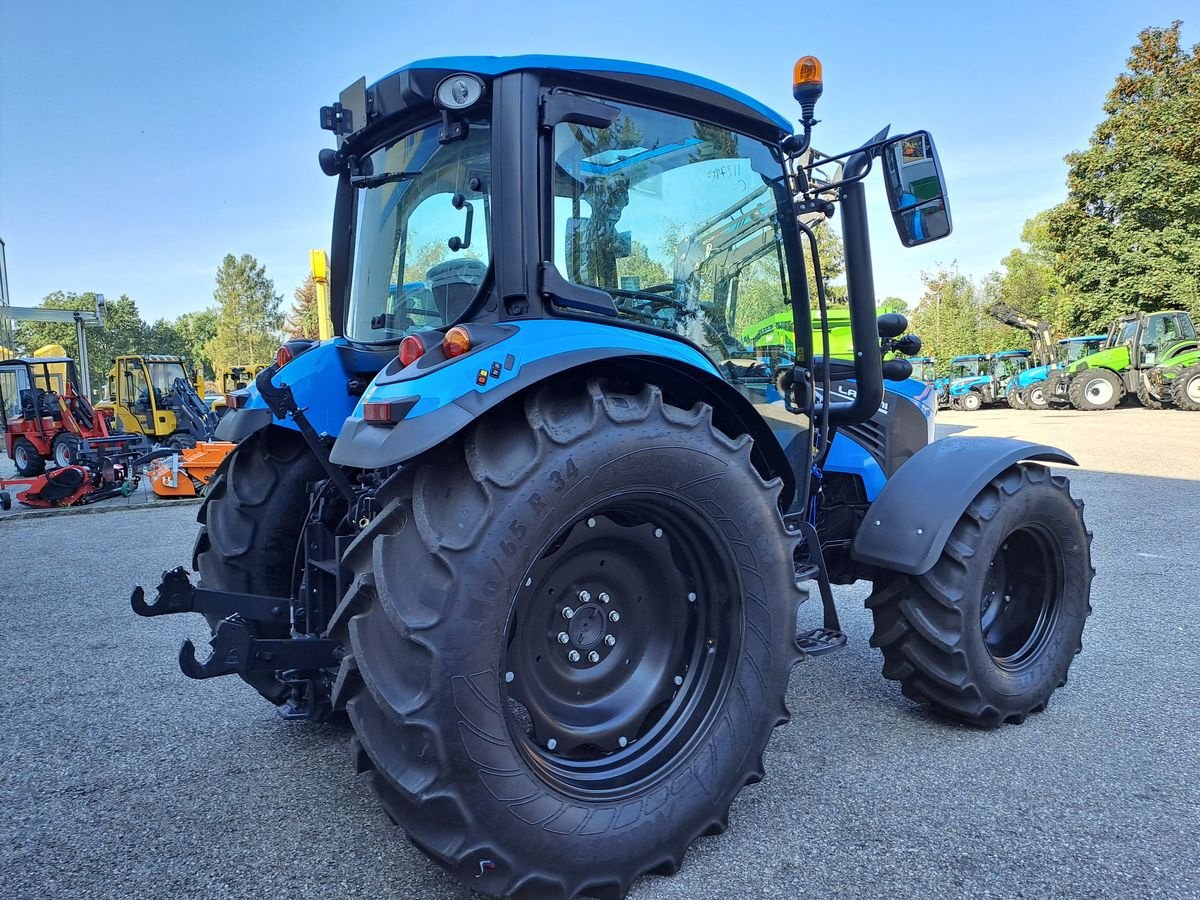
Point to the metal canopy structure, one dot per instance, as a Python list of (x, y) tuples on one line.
[(82, 319)]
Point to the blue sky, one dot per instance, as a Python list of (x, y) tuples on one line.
[(141, 141)]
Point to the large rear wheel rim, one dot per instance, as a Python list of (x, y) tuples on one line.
[(1022, 595), (651, 645), (1193, 388), (1098, 391)]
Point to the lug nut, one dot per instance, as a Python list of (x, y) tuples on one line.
[(508, 677), (551, 744), (658, 532), (593, 657), (591, 523), (568, 612), (563, 637), (604, 598), (678, 680), (614, 616), (573, 656), (691, 598), (584, 596), (622, 740), (610, 639)]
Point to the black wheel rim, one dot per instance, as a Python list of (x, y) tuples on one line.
[(617, 693), (1022, 594)]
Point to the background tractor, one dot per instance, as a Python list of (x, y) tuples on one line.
[(1146, 355), (234, 378), (539, 524), (45, 416), (154, 396), (1030, 389), (987, 388)]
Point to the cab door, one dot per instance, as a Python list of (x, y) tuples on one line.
[(134, 392)]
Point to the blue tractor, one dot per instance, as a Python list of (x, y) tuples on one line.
[(539, 522), (966, 366), (1030, 389), (988, 388)]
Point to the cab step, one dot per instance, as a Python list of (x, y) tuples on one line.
[(820, 641)]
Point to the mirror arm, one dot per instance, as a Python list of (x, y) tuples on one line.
[(860, 288)]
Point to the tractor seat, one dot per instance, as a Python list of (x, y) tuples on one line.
[(36, 403), (454, 284)]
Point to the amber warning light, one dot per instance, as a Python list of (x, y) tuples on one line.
[(806, 71)]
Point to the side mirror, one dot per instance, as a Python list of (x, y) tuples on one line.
[(916, 189)]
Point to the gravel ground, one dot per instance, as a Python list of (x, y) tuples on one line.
[(120, 778)]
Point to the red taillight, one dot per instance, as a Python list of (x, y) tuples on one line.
[(236, 400), (456, 342), (379, 413), (412, 348), (283, 356)]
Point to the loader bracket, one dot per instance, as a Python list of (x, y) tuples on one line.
[(177, 594), (236, 651)]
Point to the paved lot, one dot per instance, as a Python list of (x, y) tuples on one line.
[(120, 778)]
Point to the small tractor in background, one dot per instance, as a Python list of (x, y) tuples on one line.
[(1031, 389), (234, 378), (966, 366), (1155, 356), (45, 416), (924, 368), (541, 530), (154, 396), (988, 388)]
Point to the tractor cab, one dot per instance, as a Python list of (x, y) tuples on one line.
[(924, 368), (1070, 349), (156, 396)]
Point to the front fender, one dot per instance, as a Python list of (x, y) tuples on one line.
[(449, 397), (910, 521)]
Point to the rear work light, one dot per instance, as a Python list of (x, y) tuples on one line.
[(456, 342), (412, 348)]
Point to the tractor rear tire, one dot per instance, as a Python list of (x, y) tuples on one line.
[(26, 458), (1095, 389), (971, 401), (988, 633), (536, 752), (1185, 389), (65, 449), (1147, 397), (1036, 397), (181, 441), (251, 519)]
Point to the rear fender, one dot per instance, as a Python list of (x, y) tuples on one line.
[(910, 521), (319, 379), (449, 397)]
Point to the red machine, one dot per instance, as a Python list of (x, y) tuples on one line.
[(106, 467), (44, 415)]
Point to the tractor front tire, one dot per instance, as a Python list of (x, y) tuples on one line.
[(26, 458), (1036, 397), (988, 633), (971, 401), (570, 635), (65, 450), (1146, 395), (1185, 389), (1095, 389), (1016, 399), (251, 521)]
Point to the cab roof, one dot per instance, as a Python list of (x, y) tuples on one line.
[(615, 69)]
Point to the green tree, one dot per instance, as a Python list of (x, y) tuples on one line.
[(248, 315), (892, 304), (1031, 282), (302, 321), (123, 332), (833, 264), (948, 315), (1128, 236), (195, 330)]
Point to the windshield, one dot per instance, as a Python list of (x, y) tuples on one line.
[(967, 368), (422, 240), (163, 375), (1009, 365), (677, 220)]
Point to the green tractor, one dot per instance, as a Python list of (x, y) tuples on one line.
[(1153, 355)]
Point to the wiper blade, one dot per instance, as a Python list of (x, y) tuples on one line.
[(370, 181)]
